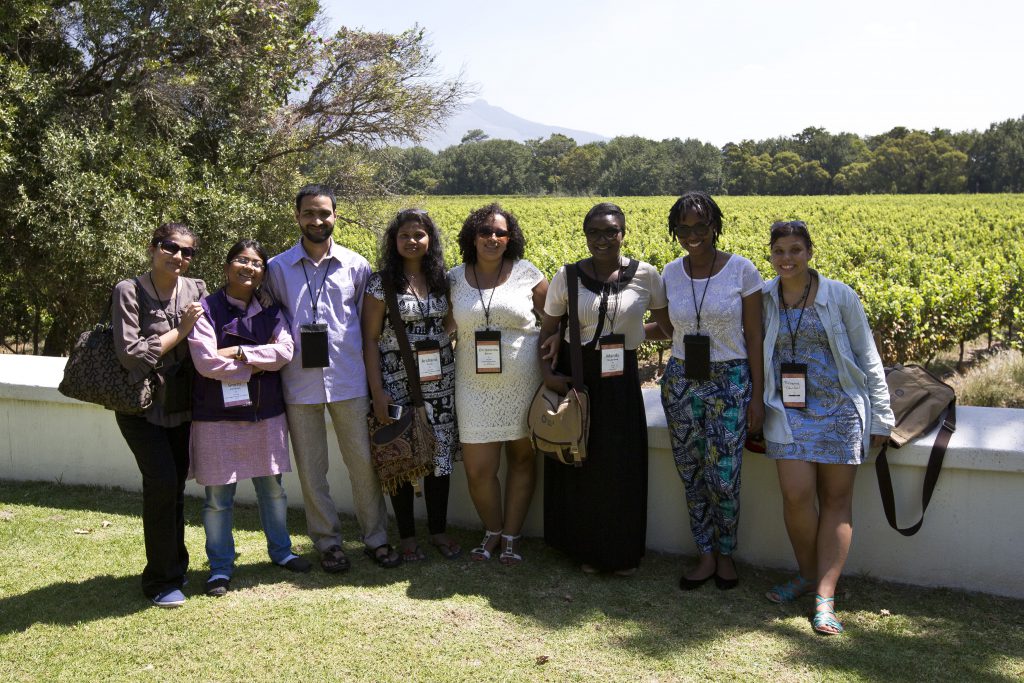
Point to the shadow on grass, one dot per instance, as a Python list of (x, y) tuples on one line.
[(926, 635)]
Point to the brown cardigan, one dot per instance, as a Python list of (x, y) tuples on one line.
[(137, 326)]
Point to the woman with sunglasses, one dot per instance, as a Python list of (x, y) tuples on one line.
[(597, 513), (496, 298), (826, 404), (151, 315), (412, 260), (711, 391), (239, 429)]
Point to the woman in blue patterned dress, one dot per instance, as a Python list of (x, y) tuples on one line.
[(826, 404), (411, 258)]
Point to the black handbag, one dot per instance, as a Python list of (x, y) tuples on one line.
[(94, 374)]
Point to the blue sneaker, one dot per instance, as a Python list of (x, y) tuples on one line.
[(170, 598)]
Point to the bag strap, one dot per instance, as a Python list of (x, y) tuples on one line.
[(412, 372), (575, 349), (931, 475)]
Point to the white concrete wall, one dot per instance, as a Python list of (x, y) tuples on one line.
[(973, 537)]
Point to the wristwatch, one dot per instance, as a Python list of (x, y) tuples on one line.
[(239, 356)]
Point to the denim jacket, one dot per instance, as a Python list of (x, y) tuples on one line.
[(849, 337)]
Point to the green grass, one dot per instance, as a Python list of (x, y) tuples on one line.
[(71, 609)]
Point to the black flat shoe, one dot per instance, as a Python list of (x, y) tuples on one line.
[(726, 584), (217, 588), (686, 584)]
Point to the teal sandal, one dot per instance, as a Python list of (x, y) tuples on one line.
[(789, 591), (825, 621)]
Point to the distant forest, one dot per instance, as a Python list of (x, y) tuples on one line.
[(812, 162)]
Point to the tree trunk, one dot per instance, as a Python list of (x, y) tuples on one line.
[(58, 339)]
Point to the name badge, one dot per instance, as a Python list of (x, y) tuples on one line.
[(697, 364), (313, 339), (236, 394), (488, 351), (793, 384), (613, 354), (428, 357)]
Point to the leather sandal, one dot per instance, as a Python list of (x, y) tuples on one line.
[(388, 559), (789, 591), (508, 555), (825, 621), (481, 553), (334, 561)]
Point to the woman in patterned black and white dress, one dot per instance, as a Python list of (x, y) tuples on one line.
[(412, 260)]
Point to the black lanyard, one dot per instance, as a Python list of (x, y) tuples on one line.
[(309, 288), (497, 282), (419, 303), (707, 285), (606, 289), (177, 306), (793, 333)]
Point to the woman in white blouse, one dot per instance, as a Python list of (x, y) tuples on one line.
[(711, 392), (597, 513)]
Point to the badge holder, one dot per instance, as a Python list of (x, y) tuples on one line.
[(793, 384), (313, 337), (428, 358), (697, 365), (236, 394), (488, 351), (613, 354)]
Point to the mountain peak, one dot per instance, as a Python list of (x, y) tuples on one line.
[(500, 124)]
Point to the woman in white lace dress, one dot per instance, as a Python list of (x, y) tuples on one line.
[(496, 298)]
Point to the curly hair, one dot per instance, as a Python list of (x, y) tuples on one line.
[(699, 203), (390, 263), (467, 236)]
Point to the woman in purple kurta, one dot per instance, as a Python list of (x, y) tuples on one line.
[(239, 429)]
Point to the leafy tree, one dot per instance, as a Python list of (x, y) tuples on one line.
[(579, 169), (115, 117), (474, 135), (998, 158)]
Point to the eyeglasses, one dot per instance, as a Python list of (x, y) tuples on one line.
[(172, 248), (600, 235), (697, 230), (499, 233), (255, 264)]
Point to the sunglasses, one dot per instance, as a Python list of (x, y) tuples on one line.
[(172, 248), (698, 230), (499, 233), (600, 235)]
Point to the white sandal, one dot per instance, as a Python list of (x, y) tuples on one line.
[(508, 555), (481, 553)]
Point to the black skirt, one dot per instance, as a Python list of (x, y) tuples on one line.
[(597, 513)]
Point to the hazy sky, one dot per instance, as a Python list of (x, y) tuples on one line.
[(725, 71)]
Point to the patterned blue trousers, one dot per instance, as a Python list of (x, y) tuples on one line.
[(707, 421)]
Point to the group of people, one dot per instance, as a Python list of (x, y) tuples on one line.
[(308, 331)]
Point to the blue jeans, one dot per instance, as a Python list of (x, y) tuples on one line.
[(217, 521)]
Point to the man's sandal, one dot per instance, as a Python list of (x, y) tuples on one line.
[(388, 559), (825, 621), (481, 553), (789, 591), (508, 555), (334, 561)]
